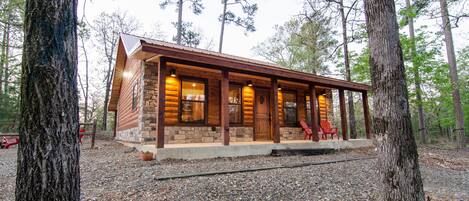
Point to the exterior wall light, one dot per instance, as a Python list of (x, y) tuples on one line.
[(126, 74), (173, 72), (249, 83)]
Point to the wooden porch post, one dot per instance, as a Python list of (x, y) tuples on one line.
[(343, 114), (274, 119), (161, 102), (314, 113), (224, 112), (366, 112)]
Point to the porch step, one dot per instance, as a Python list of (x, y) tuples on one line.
[(301, 152)]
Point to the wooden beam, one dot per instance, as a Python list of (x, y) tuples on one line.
[(274, 119), (224, 111), (161, 102), (343, 114), (366, 112), (314, 112)]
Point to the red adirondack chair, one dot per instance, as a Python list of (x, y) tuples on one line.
[(306, 130), (328, 130), (7, 143), (82, 131)]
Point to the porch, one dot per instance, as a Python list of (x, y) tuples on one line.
[(237, 149)]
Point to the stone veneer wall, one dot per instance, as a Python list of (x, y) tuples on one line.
[(204, 134), (129, 135), (149, 96), (291, 133)]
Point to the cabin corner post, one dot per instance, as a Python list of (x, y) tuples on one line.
[(314, 112), (224, 110), (161, 102), (366, 113), (343, 114), (274, 117)]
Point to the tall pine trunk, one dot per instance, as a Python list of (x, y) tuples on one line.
[(351, 113), (222, 30), (85, 93), (415, 69), (453, 73), (179, 25), (106, 96), (6, 64), (49, 150), (398, 167)]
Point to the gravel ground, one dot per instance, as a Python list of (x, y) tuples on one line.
[(114, 172)]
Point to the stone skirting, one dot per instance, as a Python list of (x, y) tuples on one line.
[(241, 134), (203, 134), (184, 134), (129, 135), (291, 133)]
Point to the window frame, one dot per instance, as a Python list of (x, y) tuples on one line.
[(241, 104), (198, 80), (290, 124)]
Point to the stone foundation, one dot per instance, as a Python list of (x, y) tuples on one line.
[(291, 133), (241, 134), (184, 134), (129, 135), (204, 134)]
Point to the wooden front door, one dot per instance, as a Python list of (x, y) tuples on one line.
[(262, 116)]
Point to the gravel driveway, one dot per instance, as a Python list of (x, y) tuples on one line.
[(113, 172)]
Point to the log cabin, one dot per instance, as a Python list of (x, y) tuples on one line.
[(165, 93)]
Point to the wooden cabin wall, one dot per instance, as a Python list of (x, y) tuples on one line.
[(213, 86), (248, 105), (172, 100), (300, 104), (322, 107), (213, 101), (126, 118), (281, 119)]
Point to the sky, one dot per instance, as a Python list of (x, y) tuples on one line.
[(236, 41)]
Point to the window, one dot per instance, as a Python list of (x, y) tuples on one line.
[(192, 101), (235, 105), (134, 97), (289, 108)]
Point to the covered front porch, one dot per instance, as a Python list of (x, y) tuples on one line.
[(207, 103)]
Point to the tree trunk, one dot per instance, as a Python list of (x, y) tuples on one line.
[(85, 93), (2, 57), (422, 128), (453, 72), (106, 96), (6, 64), (220, 45), (351, 113), (179, 27), (49, 151), (398, 167)]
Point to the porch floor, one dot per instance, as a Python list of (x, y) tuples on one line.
[(237, 149)]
